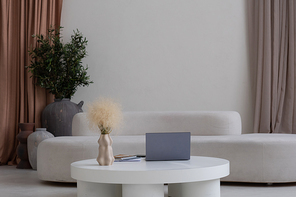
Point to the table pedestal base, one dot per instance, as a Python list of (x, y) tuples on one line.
[(196, 189), (131, 190), (87, 189)]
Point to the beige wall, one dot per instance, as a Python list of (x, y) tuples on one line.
[(166, 54)]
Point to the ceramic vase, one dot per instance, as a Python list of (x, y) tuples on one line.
[(34, 140), (105, 157), (22, 151), (57, 116)]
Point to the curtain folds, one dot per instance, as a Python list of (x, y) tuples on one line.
[(20, 100), (273, 34)]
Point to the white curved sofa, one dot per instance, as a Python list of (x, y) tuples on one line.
[(265, 158)]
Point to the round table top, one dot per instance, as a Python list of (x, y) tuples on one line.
[(151, 172)]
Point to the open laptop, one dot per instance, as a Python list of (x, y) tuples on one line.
[(167, 146)]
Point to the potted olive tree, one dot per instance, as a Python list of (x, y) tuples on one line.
[(57, 67)]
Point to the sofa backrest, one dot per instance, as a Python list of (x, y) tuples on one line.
[(196, 122)]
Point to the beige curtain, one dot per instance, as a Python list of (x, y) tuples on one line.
[(273, 46), (20, 100)]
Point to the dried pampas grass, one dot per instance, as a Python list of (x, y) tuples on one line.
[(105, 114)]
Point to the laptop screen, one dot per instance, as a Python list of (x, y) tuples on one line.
[(167, 146)]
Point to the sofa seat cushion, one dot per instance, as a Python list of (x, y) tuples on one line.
[(266, 158), (55, 155)]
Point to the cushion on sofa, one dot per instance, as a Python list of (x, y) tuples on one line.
[(196, 122)]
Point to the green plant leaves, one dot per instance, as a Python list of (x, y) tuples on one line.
[(57, 67)]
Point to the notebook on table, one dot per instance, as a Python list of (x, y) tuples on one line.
[(167, 146)]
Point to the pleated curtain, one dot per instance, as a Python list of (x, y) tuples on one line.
[(20, 100), (273, 42)]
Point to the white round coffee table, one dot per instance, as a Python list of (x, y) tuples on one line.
[(199, 176)]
